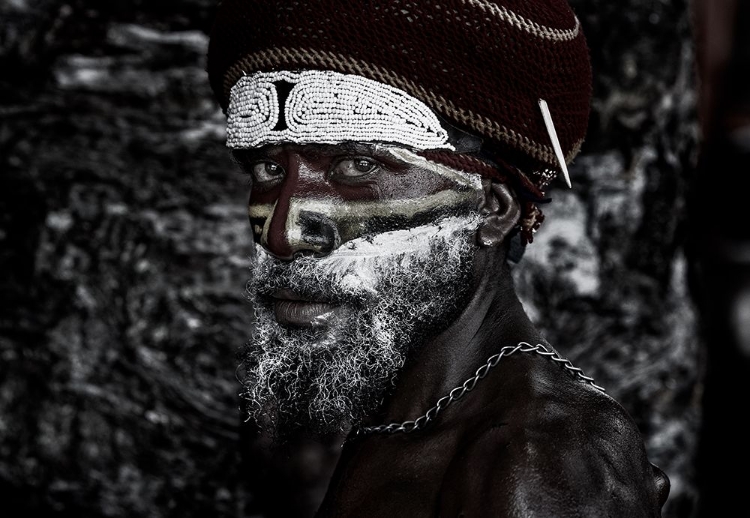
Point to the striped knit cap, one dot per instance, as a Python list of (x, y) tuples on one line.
[(481, 65)]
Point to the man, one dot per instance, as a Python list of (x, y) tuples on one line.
[(397, 152)]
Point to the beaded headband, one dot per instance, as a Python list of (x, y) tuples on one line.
[(327, 107)]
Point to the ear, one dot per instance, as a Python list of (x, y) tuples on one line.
[(501, 212)]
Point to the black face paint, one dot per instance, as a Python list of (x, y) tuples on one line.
[(328, 196)]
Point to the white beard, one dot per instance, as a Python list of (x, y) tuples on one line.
[(395, 289)]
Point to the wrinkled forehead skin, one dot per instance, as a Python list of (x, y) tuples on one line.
[(333, 157)]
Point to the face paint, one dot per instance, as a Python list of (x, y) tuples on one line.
[(384, 295), (320, 197)]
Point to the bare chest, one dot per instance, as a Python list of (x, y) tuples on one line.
[(389, 476)]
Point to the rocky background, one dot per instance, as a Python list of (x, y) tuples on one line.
[(123, 252)]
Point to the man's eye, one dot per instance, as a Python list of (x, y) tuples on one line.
[(353, 168), (264, 172)]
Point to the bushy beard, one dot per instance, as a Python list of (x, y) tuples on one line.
[(393, 290)]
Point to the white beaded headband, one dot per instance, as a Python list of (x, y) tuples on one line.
[(325, 107)]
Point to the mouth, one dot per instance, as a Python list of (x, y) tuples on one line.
[(292, 309)]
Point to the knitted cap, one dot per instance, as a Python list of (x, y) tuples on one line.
[(481, 65)]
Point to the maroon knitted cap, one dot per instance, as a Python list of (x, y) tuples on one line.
[(481, 65)]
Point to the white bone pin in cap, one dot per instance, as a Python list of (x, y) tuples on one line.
[(555, 141)]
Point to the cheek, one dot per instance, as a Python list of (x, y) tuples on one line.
[(258, 214), (355, 219)]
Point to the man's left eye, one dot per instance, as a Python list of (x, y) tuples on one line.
[(352, 168)]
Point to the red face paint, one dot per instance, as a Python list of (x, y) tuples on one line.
[(310, 199)]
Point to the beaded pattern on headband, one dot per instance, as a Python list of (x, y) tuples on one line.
[(327, 107)]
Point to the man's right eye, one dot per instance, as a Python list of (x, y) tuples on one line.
[(267, 172)]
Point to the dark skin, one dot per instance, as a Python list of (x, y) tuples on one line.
[(529, 441)]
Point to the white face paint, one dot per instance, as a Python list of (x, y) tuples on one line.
[(460, 178), (390, 292)]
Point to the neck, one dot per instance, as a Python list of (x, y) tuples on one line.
[(492, 319)]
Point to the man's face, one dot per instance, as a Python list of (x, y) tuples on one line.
[(365, 250)]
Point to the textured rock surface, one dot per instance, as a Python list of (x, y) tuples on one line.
[(123, 242)]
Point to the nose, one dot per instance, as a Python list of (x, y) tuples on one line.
[(300, 222)]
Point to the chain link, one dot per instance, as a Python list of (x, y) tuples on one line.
[(468, 385)]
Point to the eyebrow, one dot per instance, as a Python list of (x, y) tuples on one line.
[(361, 148)]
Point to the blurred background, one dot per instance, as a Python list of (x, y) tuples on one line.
[(124, 253)]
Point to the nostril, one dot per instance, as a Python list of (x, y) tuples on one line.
[(319, 232)]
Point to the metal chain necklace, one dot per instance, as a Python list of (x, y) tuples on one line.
[(468, 385)]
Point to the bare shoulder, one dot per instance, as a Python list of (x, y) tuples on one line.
[(548, 445)]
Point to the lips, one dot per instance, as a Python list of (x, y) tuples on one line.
[(291, 309)]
